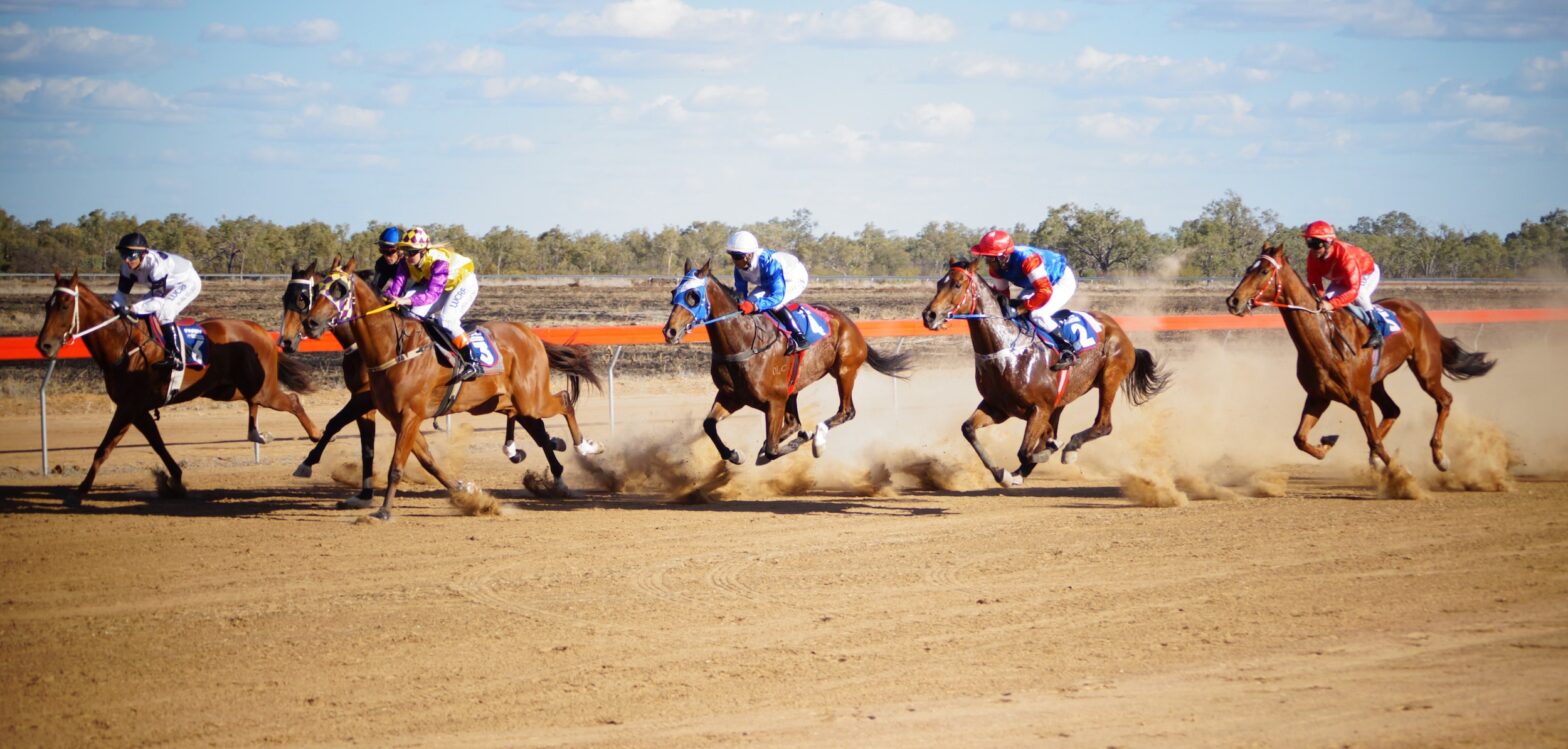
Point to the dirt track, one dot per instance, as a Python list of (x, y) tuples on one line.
[(805, 604)]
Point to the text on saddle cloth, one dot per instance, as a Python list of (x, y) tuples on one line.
[(485, 352), (810, 320), (1080, 329), (195, 342)]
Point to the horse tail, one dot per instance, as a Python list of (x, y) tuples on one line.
[(1146, 380), (576, 362), (892, 365), (294, 374), (1460, 364)]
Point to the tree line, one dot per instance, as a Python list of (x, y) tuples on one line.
[(1219, 242)]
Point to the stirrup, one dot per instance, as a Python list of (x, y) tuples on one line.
[(1374, 339), (1064, 358)]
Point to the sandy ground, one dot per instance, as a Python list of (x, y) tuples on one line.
[(886, 595)]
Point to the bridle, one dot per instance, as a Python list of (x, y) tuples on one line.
[(1277, 300), (700, 317), (345, 315), (75, 331), (971, 299)]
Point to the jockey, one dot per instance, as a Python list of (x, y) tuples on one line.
[(1044, 277), (1351, 274), (172, 285), (447, 286), (386, 265), (778, 277)]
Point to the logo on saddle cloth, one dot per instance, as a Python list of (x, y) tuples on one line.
[(484, 350), (810, 320), (1387, 320), (1079, 328), (195, 342)]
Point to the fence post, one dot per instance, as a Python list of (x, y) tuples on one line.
[(613, 359), (1476, 346), (43, 417)]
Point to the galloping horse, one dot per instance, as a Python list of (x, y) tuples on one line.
[(1332, 366), (301, 292), (408, 387), (242, 364), (1012, 370), (750, 366)]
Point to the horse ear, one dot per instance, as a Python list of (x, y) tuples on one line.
[(688, 267), (57, 276), (350, 267), (309, 269), (75, 272), (707, 269)]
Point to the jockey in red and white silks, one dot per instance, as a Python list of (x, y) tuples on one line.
[(1351, 274)]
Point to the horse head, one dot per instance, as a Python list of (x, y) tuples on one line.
[(1260, 278), (298, 297), (334, 303), (957, 293), (689, 303), (62, 315)]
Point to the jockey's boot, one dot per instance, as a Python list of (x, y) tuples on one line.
[(467, 367), (797, 339), (173, 353), (1066, 357), (1374, 335)]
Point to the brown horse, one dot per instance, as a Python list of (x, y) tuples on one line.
[(1332, 366), (1012, 370), (408, 385), (242, 364), (750, 366)]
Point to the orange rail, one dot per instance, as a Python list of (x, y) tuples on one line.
[(20, 348)]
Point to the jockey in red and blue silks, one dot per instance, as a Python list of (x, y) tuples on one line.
[(767, 281), (1351, 273), (1046, 282)]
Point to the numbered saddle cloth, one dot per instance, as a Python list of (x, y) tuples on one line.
[(485, 352), (195, 343), (808, 319), (1387, 320), (1079, 328)]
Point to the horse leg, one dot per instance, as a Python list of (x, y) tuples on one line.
[(846, 408), (118, 423), (367, 455), (560, 404), (721, 408), (255, 434), (1430, 378), (985, 415), (1387, 406), (1376, 451), (1100, 428), (356, 409), (407, 426), (550, 445), (278, 399), (509, 447), (149, 428), (794, 424), (771, 449), (1311, 411), (1032, 451)]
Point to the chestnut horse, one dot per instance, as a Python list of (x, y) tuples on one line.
[(242, 364), (304, 285), (1012, 371), (407, 384), (750, 366), (1332, 366)]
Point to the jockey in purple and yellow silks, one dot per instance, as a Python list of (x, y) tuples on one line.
[(767, 281), (442, 286), (1044, 277)]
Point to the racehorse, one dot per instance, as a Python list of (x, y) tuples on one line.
[(408, 387), (303, 287), (241, 364), (1332, 366), (750, 366), (1012, 371)]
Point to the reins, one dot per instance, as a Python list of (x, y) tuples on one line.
[(971, 298), (1279, 292), (345, 316)]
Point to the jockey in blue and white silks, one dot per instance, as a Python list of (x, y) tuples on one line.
[(766, 281), (1044, 277)]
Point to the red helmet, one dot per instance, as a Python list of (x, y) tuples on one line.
[(1320, 230), (995, 243)]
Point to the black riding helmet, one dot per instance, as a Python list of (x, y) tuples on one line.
[(132, 244)]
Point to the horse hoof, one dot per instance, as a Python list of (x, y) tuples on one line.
[(1069, 457), (819, 441), (1444, 465), (1005, 477), (260, 438), (763, 458), (1044, 456), (1329, 440), (557, 444), (588, 447), (303, 471), (1376, 463), (733, 456), (512, 453), (354, 503), (384, 516)]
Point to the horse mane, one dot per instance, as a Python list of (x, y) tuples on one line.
[(729, 292), (966, 263)]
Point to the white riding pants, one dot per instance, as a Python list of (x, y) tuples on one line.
[(1368, 285), (450, 307), (168, 306), (1061, 292)]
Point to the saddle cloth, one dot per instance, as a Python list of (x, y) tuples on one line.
[(485, 352), (810, 320), (1387, 320), (195, 342), (1079, 328)]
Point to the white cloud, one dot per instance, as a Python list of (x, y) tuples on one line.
[(1038, 21), (877, 22), (275, 156), (654, 19), (397, 94), (1117, 67), (260, 91), (74, 49), (1221, 115), (1452, 98), (1110, 126), (433, 59), (70, 97), (564, 87), (1447, 19), (728, 97), (970, 66), (1505, 132), (303, 34), (335, 122), (1329, 103), (841, 142), (1287, 57), (643, 61), (939, 120), (1544, 74), (501, 143)]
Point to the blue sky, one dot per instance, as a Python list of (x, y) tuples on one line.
[(645, 113)]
